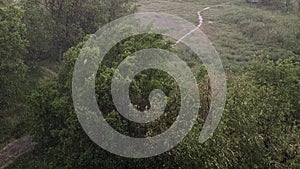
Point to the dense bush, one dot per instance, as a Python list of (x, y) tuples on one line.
[(55, 26), (259, 129), (12, 69)]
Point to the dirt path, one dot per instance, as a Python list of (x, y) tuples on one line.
[(14, 149), (201, 20), (48, 71)]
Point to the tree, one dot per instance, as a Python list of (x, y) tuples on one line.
[(55, 26), (13, 47), (54, 123)]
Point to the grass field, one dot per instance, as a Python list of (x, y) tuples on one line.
[(238, 30)]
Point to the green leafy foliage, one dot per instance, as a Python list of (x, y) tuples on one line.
[(55, 26), (260, 124), (12, 69), (259, 128)]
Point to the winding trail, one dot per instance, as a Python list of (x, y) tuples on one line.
[(14, 149), (201, 20), (22, 145), (48, 71)]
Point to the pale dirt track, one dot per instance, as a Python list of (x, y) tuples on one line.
[(201, 20), (14, 149)]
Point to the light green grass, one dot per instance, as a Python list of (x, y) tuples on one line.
[(238, 30)]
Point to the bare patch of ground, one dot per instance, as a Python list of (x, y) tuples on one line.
[(14, 149)]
